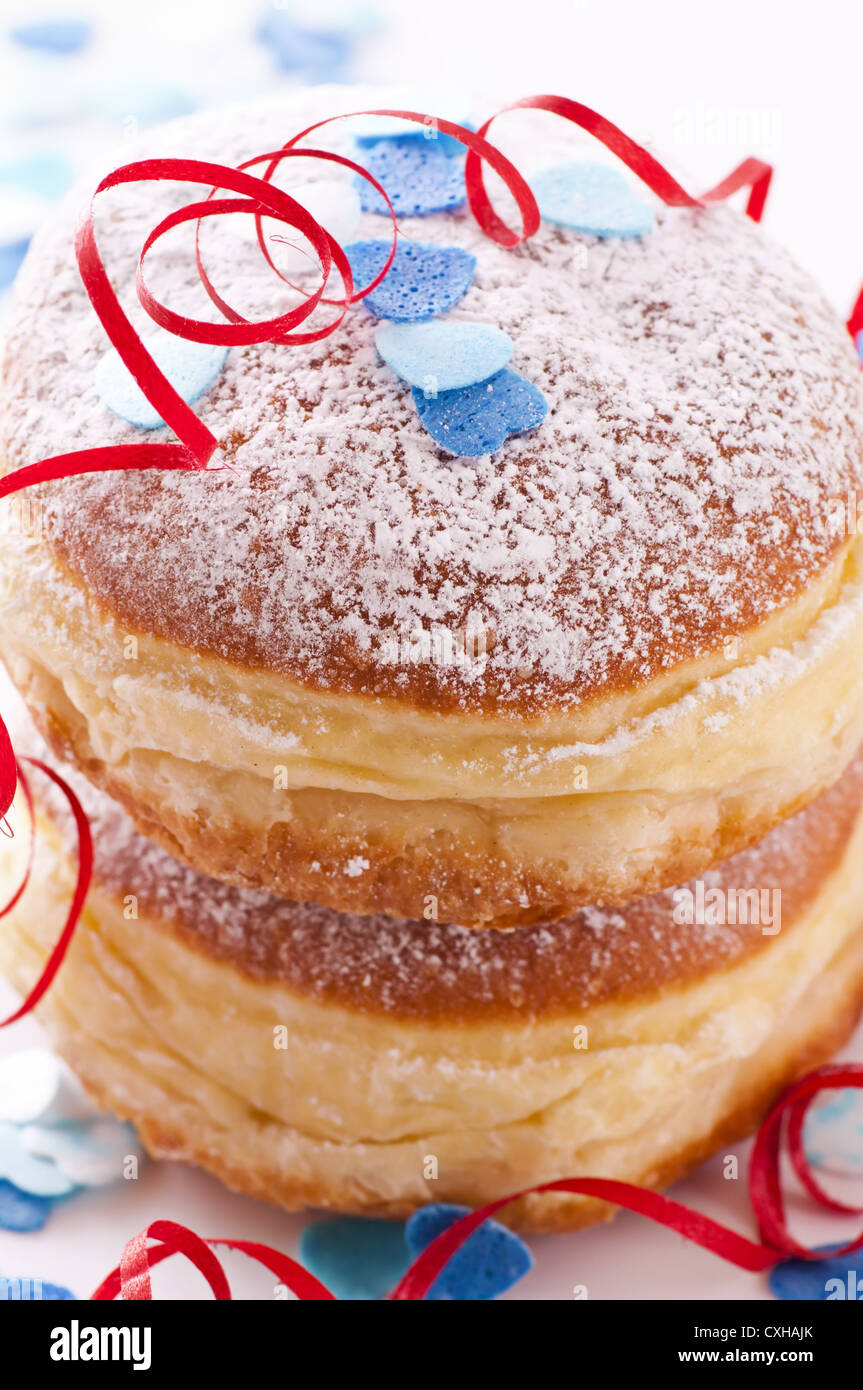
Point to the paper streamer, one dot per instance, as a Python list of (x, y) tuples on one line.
[(85, 872)]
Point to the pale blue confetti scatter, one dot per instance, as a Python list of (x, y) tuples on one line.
[(191, 369), (491, 1260), (46, 175), (591, 198), (478, 419), (318, 55), (90, 1154), (61, 36), (356, 1258), (441, 355), (28, 1172), (423, 280), (418, 175)]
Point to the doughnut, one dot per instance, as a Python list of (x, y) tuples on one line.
[(355, 669), (374, 1065)]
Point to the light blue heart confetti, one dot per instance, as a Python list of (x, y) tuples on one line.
[(24, 1170), (490, 1261), (819, 1281), (29, 1290), (63, 36), (191, 369), (418, 175), (89, 1155), (443, 356), (423, 280), (833, 1132), (22, 1211), (356, 1258), (592, 198), (858, 343), (478, 419)]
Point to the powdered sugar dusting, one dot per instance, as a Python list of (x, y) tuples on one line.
[(704, 402)]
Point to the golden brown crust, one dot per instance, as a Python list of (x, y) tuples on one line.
[(422, 969), (457, 866), (823, 1022)]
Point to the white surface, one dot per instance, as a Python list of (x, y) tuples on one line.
[(706, 85)]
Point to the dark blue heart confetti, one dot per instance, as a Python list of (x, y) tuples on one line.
[(357, 1258), (22, 1211), (423, 280), (475, 420), (417, 175), (489, 1262), (820, 1281)]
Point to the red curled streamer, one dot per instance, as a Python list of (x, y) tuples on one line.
[(260, 198), (855, 322), (82, 884), (753, 174), (131, 1279)]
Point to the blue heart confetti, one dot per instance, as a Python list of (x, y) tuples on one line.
[(423, 280), (443, 356), (490, 1261), (417, 174), (22, 1211), (357, 1259), (819, 1281), (29, 1290), (191, 369), (478, 419), (61, 36), (591, 198), (858, 343)]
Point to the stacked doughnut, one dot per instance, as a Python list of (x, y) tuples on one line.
[(382, 915)]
